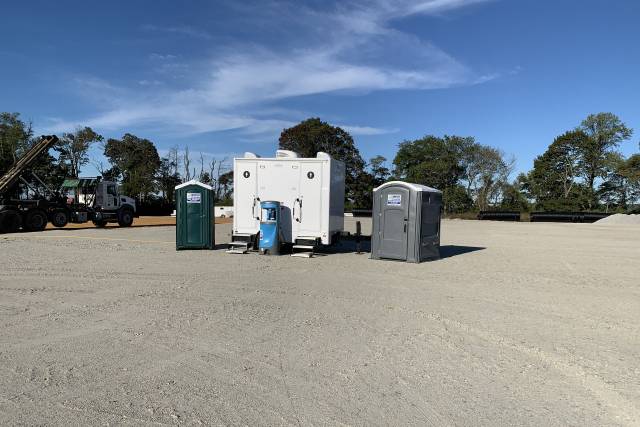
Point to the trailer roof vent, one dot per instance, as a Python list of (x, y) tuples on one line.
[(249, 155), (286, 154), (322, 155)]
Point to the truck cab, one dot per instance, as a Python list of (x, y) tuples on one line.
[(111, 206)]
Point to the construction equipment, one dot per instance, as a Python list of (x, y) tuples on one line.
[(33, 209)]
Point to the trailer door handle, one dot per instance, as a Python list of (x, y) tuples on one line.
[(405, 225), (294, 209)]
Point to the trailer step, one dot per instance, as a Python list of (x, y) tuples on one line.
[(302, 251), (303, 254), (303, 247), (238, 248)]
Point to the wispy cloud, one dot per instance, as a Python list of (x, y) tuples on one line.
[(350, 48), (183, 30), (161, 57)]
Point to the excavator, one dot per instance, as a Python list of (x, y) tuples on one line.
[(35, 205)]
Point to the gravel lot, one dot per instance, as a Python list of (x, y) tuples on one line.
[(518, 324)]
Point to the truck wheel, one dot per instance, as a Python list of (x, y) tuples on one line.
[(100, 223), (36, 220), (10, 221), (125, 217), (59, 218)]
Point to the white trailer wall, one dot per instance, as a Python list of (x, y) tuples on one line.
[(310, 190)]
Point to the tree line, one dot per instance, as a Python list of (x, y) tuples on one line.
[(581, 169), (132, 161)]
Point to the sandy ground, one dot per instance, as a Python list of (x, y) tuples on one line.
[(517, 324)]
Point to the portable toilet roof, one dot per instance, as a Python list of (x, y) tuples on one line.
[(194, 182), (415, 187)]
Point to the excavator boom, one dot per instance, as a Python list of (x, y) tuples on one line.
[(9, 179)]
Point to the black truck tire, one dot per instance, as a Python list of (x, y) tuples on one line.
[(100, 223), (10, 221), (59, 218), (35, 220), (125, 217)]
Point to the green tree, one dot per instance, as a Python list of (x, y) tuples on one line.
[(168, 178), (514, 196), (621, 186), (135, 161), (313, 135), (225, 188), (456, 199), (15, 138), (604, 133), (74, 149), (379, 171), (430, 161), (631, 171), (493, 176), (553, 181)]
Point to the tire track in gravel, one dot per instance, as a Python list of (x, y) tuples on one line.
[(619, 407)]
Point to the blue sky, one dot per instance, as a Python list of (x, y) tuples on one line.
[(225, 77)]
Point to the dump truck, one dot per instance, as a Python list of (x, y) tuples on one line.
[(33, 206)]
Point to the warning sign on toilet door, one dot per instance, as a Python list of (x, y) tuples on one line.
[(193, 197), (394, 199)]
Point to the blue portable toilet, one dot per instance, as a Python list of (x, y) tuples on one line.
[(269, 228)]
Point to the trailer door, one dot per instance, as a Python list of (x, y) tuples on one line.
[(308, 209), (245, 200)]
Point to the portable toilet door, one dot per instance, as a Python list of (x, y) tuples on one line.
[(195, 216), (391, 207)]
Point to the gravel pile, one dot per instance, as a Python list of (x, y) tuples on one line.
[(620, 219)]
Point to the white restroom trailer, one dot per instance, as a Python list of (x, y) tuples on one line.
[(310, 192)]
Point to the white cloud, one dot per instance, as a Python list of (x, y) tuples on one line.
[(351, 48), (367, 130)]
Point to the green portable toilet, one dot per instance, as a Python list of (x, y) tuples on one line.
[(195, 219)]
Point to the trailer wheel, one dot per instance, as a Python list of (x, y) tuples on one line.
[(10, 221), (59, 218), (125, 217), (36, 220)]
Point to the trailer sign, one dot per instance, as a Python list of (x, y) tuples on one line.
[(193, 197), (394, 199)]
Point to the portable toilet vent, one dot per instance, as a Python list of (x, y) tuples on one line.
[(195, 216), (406, 222)]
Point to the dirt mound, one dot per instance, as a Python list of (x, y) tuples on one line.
[(620, 219)]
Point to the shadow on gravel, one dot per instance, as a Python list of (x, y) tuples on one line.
[(449, 251), (348, 245)]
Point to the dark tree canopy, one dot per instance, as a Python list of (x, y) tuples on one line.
[(604, 132), (135, 161), (431, 161), (313, 135), (15, 138), (552, 181)]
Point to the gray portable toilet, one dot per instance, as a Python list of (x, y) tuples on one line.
[(406, 222)]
